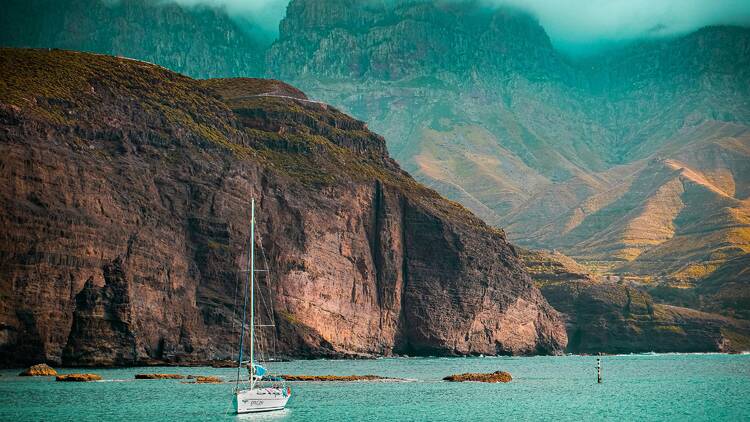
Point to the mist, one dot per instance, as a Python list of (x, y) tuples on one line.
[(577, 27), (587, 26), (260, 18)]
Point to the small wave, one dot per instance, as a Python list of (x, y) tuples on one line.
[(394, 380)]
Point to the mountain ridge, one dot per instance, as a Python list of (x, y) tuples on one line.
[(521, 151), (576, 155)]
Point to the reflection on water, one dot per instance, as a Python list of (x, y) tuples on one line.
[(265, 416)]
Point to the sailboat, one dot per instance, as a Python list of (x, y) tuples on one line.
[(261, 392)]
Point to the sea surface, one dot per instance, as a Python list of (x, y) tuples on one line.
[(666, 387)]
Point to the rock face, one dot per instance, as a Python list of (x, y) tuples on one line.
[(407, 39), (40, 370), (125, 214), (620, 318)]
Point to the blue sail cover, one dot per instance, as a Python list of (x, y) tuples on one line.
[(259, 370)]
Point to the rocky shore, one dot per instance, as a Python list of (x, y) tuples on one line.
[(208, 380)]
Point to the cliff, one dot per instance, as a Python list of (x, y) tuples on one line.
[(125, 208)]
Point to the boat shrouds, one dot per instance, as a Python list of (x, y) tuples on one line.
[(261, 392)]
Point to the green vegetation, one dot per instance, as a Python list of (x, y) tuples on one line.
[(309, 142), (670, 329), (213, 245), (290, 318), (74, 88)]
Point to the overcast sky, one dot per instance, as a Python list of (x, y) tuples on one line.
[(573, 25)]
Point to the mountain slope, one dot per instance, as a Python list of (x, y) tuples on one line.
[(665, 216), (604, 316), (635, 160), (125, 214), (617, 158)]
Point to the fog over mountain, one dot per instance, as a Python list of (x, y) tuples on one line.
[(260, 17), (584, 26), (575, 26)]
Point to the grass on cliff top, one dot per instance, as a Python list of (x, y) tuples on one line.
[(68, 87), (237, 88), (30, 73)]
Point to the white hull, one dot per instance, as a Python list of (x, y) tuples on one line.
[(260, 400)]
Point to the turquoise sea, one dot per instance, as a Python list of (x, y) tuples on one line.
[(671, 387)]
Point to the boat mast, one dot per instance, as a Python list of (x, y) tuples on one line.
[(244, 306), (252, 290)]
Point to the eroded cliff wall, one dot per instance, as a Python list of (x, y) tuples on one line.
[(125, 198)]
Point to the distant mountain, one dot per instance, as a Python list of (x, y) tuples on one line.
[(635, 161), (638, 157), (199, 41)]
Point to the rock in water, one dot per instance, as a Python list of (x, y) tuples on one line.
[(40, 370), (78, 377), (497, 376), (208, 380), (159, 376), (364, 260)]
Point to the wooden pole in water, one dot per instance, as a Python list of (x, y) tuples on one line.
[(598, 370)]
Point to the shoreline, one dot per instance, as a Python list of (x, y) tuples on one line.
[(225, 365)]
